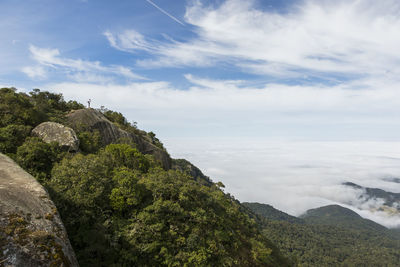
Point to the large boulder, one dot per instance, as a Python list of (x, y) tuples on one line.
[(31, 231), (56, 132), (91, 119)]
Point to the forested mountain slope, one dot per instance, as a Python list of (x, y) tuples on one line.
[(336, 215), (330, 236), (269, 212)]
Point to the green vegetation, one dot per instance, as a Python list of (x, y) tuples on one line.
[(120, 210), (20, 112), (187, 167), (120, 207), (336, 215), (89, 142), (269, 212), (329, 242), (38, 157), (12, 136)]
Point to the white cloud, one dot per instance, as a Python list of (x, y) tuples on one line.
[(315, 37), (129, 40), (35, 72), (238, 96), (82, 70)]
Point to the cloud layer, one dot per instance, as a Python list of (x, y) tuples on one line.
[(296, 176)]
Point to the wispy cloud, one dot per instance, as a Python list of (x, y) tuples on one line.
[(165, 12), (316, 38), (129, 41), (35, 72), (78, 69)]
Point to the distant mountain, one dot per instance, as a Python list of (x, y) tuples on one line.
[(336, 215), (391, 200), (269, 212), (329, 236), (392, 179)]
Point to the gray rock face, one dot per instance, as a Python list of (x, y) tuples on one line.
[(92, 119), (31, 231), (55, 132)]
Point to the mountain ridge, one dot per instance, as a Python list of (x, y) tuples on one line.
[(329, 243)]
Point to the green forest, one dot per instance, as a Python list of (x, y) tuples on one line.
[(329, 236), (125, 205)]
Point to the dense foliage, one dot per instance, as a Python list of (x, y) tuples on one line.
[(336, 215), (120, 208), (321, 243), (269, 212), (20, 112)]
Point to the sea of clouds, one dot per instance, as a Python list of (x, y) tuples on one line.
[(295, 176)]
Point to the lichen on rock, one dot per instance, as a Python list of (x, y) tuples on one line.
[(31, 231)]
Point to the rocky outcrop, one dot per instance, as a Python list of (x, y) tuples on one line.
[(185, 166), (91, 119), (31, 231), (55, 132)]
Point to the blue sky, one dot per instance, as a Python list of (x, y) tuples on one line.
[(305, 69)]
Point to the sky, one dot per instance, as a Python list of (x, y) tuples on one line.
[(209, 72)]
